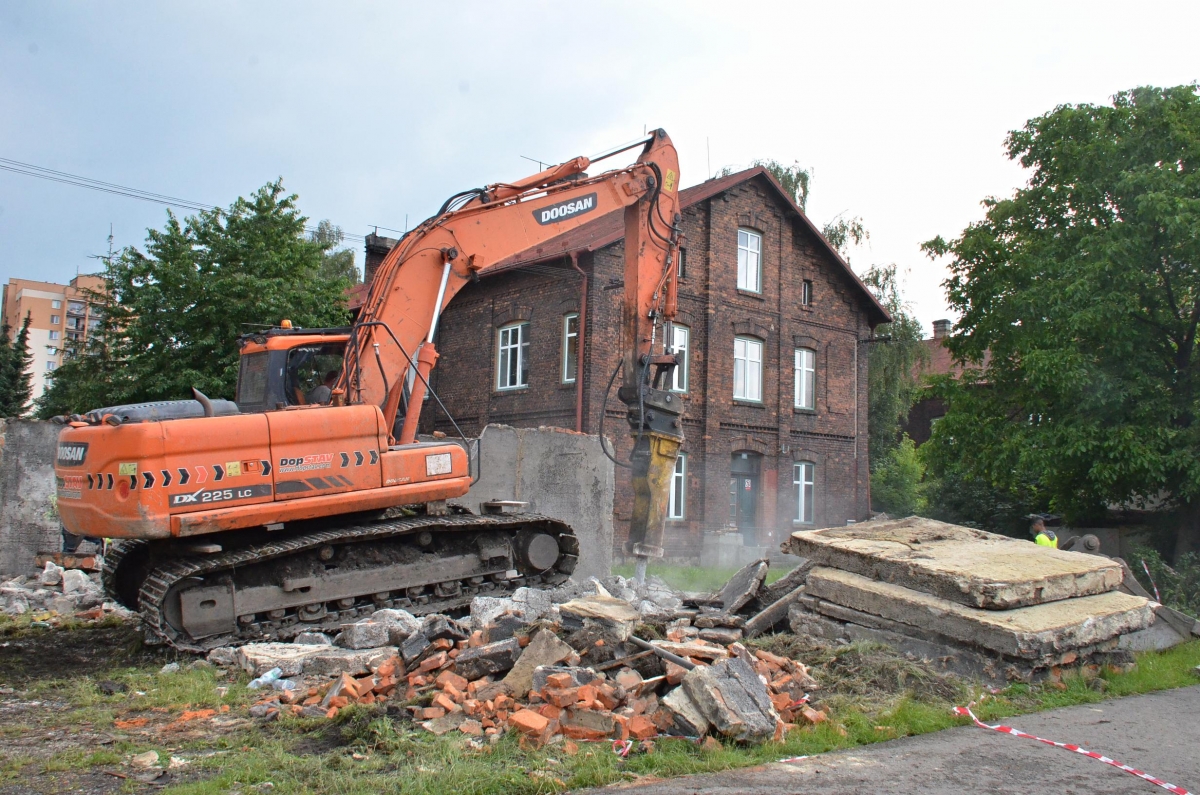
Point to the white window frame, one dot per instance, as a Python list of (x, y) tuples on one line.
[(804, 478), (55, 320), (56, 304), (51, 365), (748, 369), (53, 334), (569, 376), (749, 271), (806, 292), (509, 350), (681, 343), (677, 499), (806, 379)]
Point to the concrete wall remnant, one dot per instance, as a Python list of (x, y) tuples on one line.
[(28, 520), (560, 474)]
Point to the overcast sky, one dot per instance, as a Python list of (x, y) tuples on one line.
[(372, 112)]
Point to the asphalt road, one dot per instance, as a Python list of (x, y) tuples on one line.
[(1158, 733)]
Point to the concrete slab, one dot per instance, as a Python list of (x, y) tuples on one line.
[(1028, 632), (960, 564)]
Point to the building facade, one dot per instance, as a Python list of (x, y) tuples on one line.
[(61, 317), (770, 332)]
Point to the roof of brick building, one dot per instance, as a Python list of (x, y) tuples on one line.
[(610, 228)]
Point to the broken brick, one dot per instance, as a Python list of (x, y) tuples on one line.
[(642, 728), (528, 722), (449, 678)]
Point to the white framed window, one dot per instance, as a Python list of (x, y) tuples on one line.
[(512, 356), (680, 344), (806, 378), (681, 268), (677, 500), (53, 334), (747, 368), (749, 261), (806, 292), (54, 319), (56, 304), (570, 347), (802, 479), (51, 365), (51, 350)]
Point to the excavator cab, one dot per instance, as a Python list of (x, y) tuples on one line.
[(282, 367)]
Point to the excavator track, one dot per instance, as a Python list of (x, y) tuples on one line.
[(429, 546)]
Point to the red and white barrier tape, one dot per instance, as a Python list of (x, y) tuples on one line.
[(1150, 577), (966, 712)]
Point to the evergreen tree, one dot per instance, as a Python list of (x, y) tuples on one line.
[(6, 367), (22, 379)]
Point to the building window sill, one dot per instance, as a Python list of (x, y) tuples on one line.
[(566, 385), (810, 412), (512, 390), (751, 294), (754, 404), (798, 523)]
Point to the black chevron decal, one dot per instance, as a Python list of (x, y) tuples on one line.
[(166, 473), (266, 467), (218, 472), (183, 476), (132, 482), (110, 481), (374, 457), (358, 459), (90, 481), (149, 478), (345, 459)]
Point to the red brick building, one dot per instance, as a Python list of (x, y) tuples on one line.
[(770, 328)]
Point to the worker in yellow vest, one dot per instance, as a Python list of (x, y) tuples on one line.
[(1042, 536)]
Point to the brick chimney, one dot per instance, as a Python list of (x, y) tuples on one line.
[(377, 248), (941, 328)]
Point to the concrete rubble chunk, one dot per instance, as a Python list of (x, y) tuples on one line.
[(506, 626), (412, 649), (742, 586), (75, 581), (769, 594), (366, 634), (489, 659), (719, 620), (533, 603), (615, 617), (1034, 632), (722, 635), (733, 698), (486, 609), (695, 650), (773, 614), (444, 724), (544, 649), (688, 720), (401, 624), (961, 564), (438, 626), (51, 574), (294, 659), (312, 639)]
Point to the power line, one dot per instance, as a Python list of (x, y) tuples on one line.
[(63, 177)]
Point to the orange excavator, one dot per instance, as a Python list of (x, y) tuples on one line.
[(309, 501)]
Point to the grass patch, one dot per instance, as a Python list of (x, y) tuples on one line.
[(693, 579)]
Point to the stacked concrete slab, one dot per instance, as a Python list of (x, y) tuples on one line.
[(1011, 604)]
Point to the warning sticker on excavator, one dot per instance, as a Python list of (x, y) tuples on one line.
[(233, 469), (669, 181), (127, 469), (438, 464)]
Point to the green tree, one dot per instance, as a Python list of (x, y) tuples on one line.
[(894, 358), (172, 315), (339, 263), (896, 480), (16, 378), (1085, 288)]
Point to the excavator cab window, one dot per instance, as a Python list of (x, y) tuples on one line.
[(308, 373)]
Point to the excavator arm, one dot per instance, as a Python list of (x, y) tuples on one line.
[(392, 351)]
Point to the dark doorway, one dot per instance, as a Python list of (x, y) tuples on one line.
[(744, 480)]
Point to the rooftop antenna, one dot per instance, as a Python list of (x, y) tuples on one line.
[(708, 148)]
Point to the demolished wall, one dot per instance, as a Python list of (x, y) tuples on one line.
[(560, 474), (28, 523)]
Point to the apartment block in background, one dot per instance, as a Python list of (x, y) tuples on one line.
[(61, 317)]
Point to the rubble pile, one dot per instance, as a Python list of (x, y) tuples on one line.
[(547, 664), (56, 591), (986, 603)]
